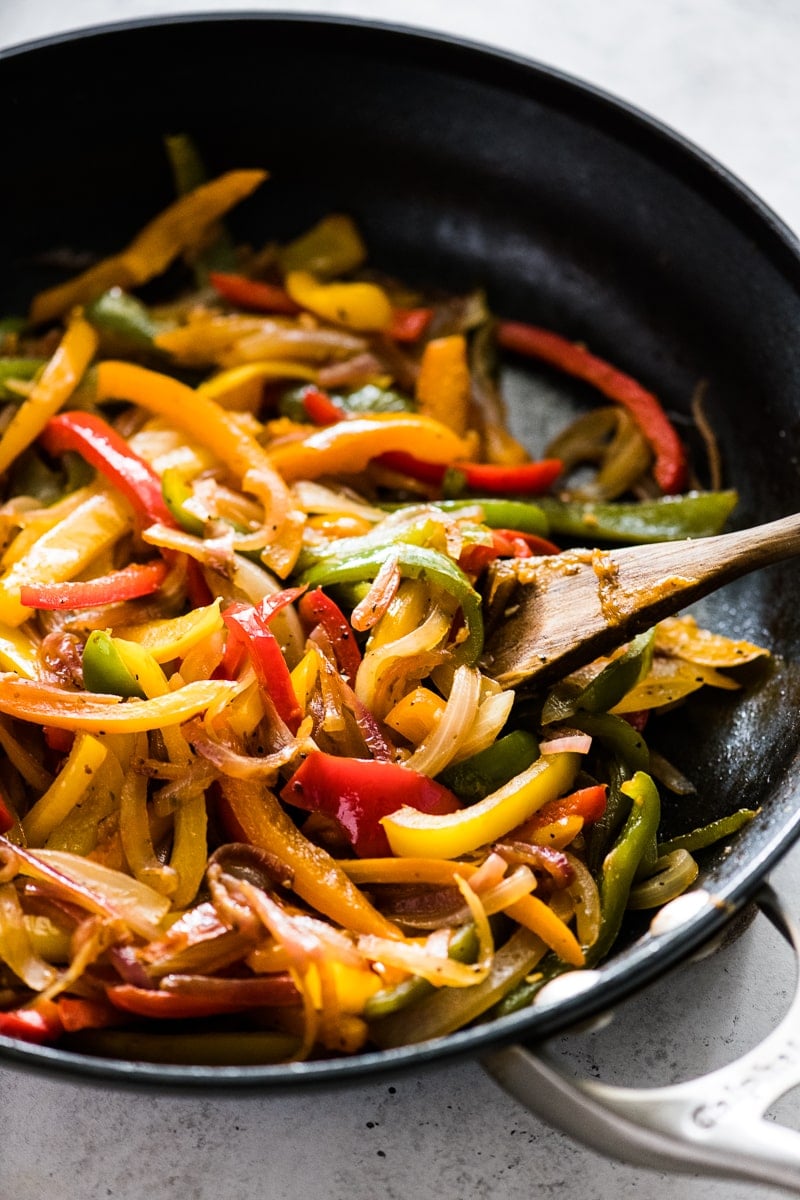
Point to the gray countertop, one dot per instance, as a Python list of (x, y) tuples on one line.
[(723, 73)]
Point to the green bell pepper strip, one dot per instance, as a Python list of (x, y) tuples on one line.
[(669, 518), (415, 562), (607, 688), (463, 948), (103, 668), (707, 835), (17, 368), (624, 859), (176, 492), (625, 742), (477, 777), (497, 514), (118, 313), (227, 1048)]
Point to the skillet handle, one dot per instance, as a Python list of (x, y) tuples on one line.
[(710, 1126)]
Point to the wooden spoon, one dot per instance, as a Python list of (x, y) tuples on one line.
[(549, 616)]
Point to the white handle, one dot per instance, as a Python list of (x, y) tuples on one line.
[(712, 1125)]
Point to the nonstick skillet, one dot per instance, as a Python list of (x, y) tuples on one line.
[(465, 167)]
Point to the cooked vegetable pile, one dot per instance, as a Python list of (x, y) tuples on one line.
[(261, 798)]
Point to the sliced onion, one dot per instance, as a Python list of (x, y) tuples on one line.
[(491, 719), (586, 897), (382, 592), (576, 743), (444, 741)]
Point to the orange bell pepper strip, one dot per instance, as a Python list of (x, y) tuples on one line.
[(53, 388), (180, 227), (443, 383), (252, 814), (346, 448)]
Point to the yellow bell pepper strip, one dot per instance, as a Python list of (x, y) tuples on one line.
[(96, 441), (64, 550), (253, 814), (440, 871), (241, 388), (443, 383), (52, 389), (173, 637), (129, 583), (190, 410), (66, 790), (19, 652), (331, 247), (346, 448), (180, 227), (359, 792), (364, 307), (417, 835), (46, 704)]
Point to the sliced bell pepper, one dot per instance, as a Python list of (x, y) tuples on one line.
[(317, 608), (7, 818), (364, 307), (55, 385), (180, 227), (409, 324), (415, 562), (623, 859), (360, 792), (347, 447), (192, 411), (474, 778), (417, 835), (252, 293), (522, 479), (220, 996), (669, 518), (118, 313), (574, 359), (31, 1025), (443, 382), (588, 803), (104, 448), (105, 671), (253, 814), (331, 247), (48, 704), (320, 408), (250, 626), (138, 579)]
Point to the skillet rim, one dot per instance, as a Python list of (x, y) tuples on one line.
[(648, 959)]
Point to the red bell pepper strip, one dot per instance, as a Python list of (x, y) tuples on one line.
[(105, 449), (218, 996), (358, 792), (250, 626), (79, 1013), (523, 479), (252, 293), (36, 1025), (506, 543), (320, 408), (409, 324), (58, 740), (318, 609), (137, 579), (670, 467), (589, 803)]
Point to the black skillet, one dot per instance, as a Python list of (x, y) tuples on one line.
[(466, 167)]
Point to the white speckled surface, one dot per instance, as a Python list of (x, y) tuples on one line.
[(724, 73)]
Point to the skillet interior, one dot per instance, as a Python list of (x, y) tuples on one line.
[(466, 167)]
